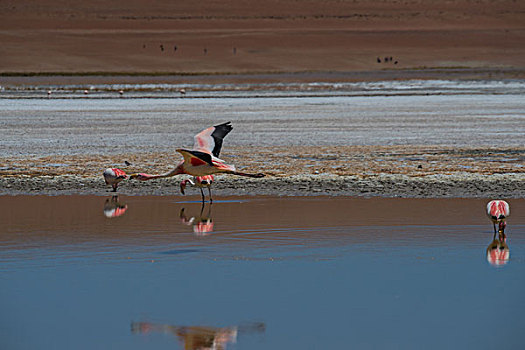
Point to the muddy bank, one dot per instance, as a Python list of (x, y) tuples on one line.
[(385, 185)]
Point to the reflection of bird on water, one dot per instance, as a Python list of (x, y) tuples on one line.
[(498, 211), (200, 182), (113, 209), (202, 224), (198, 337), (113, 176), (203, 159), (498, 252)]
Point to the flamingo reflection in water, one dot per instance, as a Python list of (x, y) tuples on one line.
[(199, 337), (202, 223), (113, 208), (498, 252)]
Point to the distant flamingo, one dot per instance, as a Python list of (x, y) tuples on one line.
[(113, 176), (200, 182), (203, 159), (498, 211)]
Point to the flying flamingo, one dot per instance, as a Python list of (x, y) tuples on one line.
[(498, 211), (203, 159), (198, 181), (113, 176)]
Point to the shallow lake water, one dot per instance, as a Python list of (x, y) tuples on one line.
[(156, 118), (94, 272)]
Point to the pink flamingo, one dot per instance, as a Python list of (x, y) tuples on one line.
[(498, 211), (113, 176), (198, 181), (203, 159)]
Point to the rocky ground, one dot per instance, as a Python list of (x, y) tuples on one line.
[(387, 171)]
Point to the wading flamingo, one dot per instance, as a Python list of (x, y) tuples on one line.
[(498, 211), (113, 176), (203, 159), (200, 182)]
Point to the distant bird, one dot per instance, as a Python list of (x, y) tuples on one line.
[(49, 92), (200, 182), (378, 60), (161, 47), (498, 211), (113, 176), (203, 159), (182, 92), (121, 92), (127, 163), (86, 92)]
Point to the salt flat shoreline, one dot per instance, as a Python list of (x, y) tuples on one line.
[(32, 79), (385, 185)]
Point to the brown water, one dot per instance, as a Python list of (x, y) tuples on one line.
[(257, 273)]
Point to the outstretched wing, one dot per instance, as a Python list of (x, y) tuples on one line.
[(195, 158), (210, 140)]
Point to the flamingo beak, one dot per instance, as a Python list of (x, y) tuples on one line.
[(140, 177)]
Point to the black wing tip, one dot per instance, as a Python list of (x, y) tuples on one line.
[(226, 127)]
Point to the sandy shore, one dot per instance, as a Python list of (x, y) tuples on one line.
[(240, 37), (122, 42), (432, 186), (406, 146), (386, 171)]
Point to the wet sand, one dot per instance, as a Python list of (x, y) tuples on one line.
[(256, 273)]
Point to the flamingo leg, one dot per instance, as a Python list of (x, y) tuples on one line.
[(202, 194), (209, 191), (494, 224), (114, 187)]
